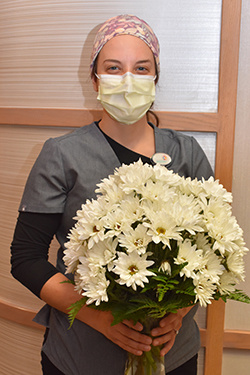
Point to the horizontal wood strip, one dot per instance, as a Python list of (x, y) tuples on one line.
[(236, 339), (232, 339), (191, 121), (18, 315)]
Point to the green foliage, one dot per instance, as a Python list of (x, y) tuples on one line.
[(74, 309), (164, 286), (164, 294), (240, 296), (68, 282), (143, 306)]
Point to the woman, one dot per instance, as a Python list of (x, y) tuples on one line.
[(124, 69)]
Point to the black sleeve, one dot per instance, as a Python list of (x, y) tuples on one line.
[(29, 249)]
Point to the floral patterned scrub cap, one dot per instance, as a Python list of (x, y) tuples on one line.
[(125, 25)]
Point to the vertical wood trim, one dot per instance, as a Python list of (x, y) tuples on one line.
[(229, 54), (228, 74), (214, 338)]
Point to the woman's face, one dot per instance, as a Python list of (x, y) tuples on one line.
[(125, 53)]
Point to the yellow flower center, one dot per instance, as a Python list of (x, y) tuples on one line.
[(138, 242), (161, 230), (133, 269)]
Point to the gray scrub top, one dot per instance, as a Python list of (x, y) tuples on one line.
[(64, 175)]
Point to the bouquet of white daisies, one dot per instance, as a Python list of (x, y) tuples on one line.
[(154, 242)]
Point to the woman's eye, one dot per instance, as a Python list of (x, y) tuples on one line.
[(113, 68), (142, 69)]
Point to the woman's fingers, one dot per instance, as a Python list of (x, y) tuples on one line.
[(126, 334), (166, 340), (166, 325), (169, 323), (168, 346), (138, 326), (131, 340), (165, 333)]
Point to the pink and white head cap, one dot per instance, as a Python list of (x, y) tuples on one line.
[(125, 25)]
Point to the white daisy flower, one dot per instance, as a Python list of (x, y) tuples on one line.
[(240, 246), (132, 269), (116, 222), (131, 208), (89, 224), (165, 267), (167, 176), (214, 189), (186, 211), (92, 282), (135, 239), (188, 253), (92, 231), (227, 283), (224, 231), (202, 242), (84, 272), (103, 253), (162, 226), (158, 190), (134, 176), (96, 291), (213, 208), (211, 266), (235, 264), (90, 214), (110, 189), (190, 187), (74, 249), (78, 287), (204, 290)]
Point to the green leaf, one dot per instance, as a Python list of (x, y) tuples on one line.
[(74, 309), (240, 296), (148, 307), (68, 282), (166, 287), (177, 268)]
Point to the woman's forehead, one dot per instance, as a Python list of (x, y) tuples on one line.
[(126, 47)]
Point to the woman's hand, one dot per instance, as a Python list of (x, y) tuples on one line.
[(125, 334), (168, 329)]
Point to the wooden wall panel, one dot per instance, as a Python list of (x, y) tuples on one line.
[(20, 349), (19, 147)]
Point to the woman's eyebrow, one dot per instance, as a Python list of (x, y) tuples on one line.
[(113, 61), (143, 61), (119, 62)]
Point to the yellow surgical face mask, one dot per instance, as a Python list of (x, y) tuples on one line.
[(126, 97)]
